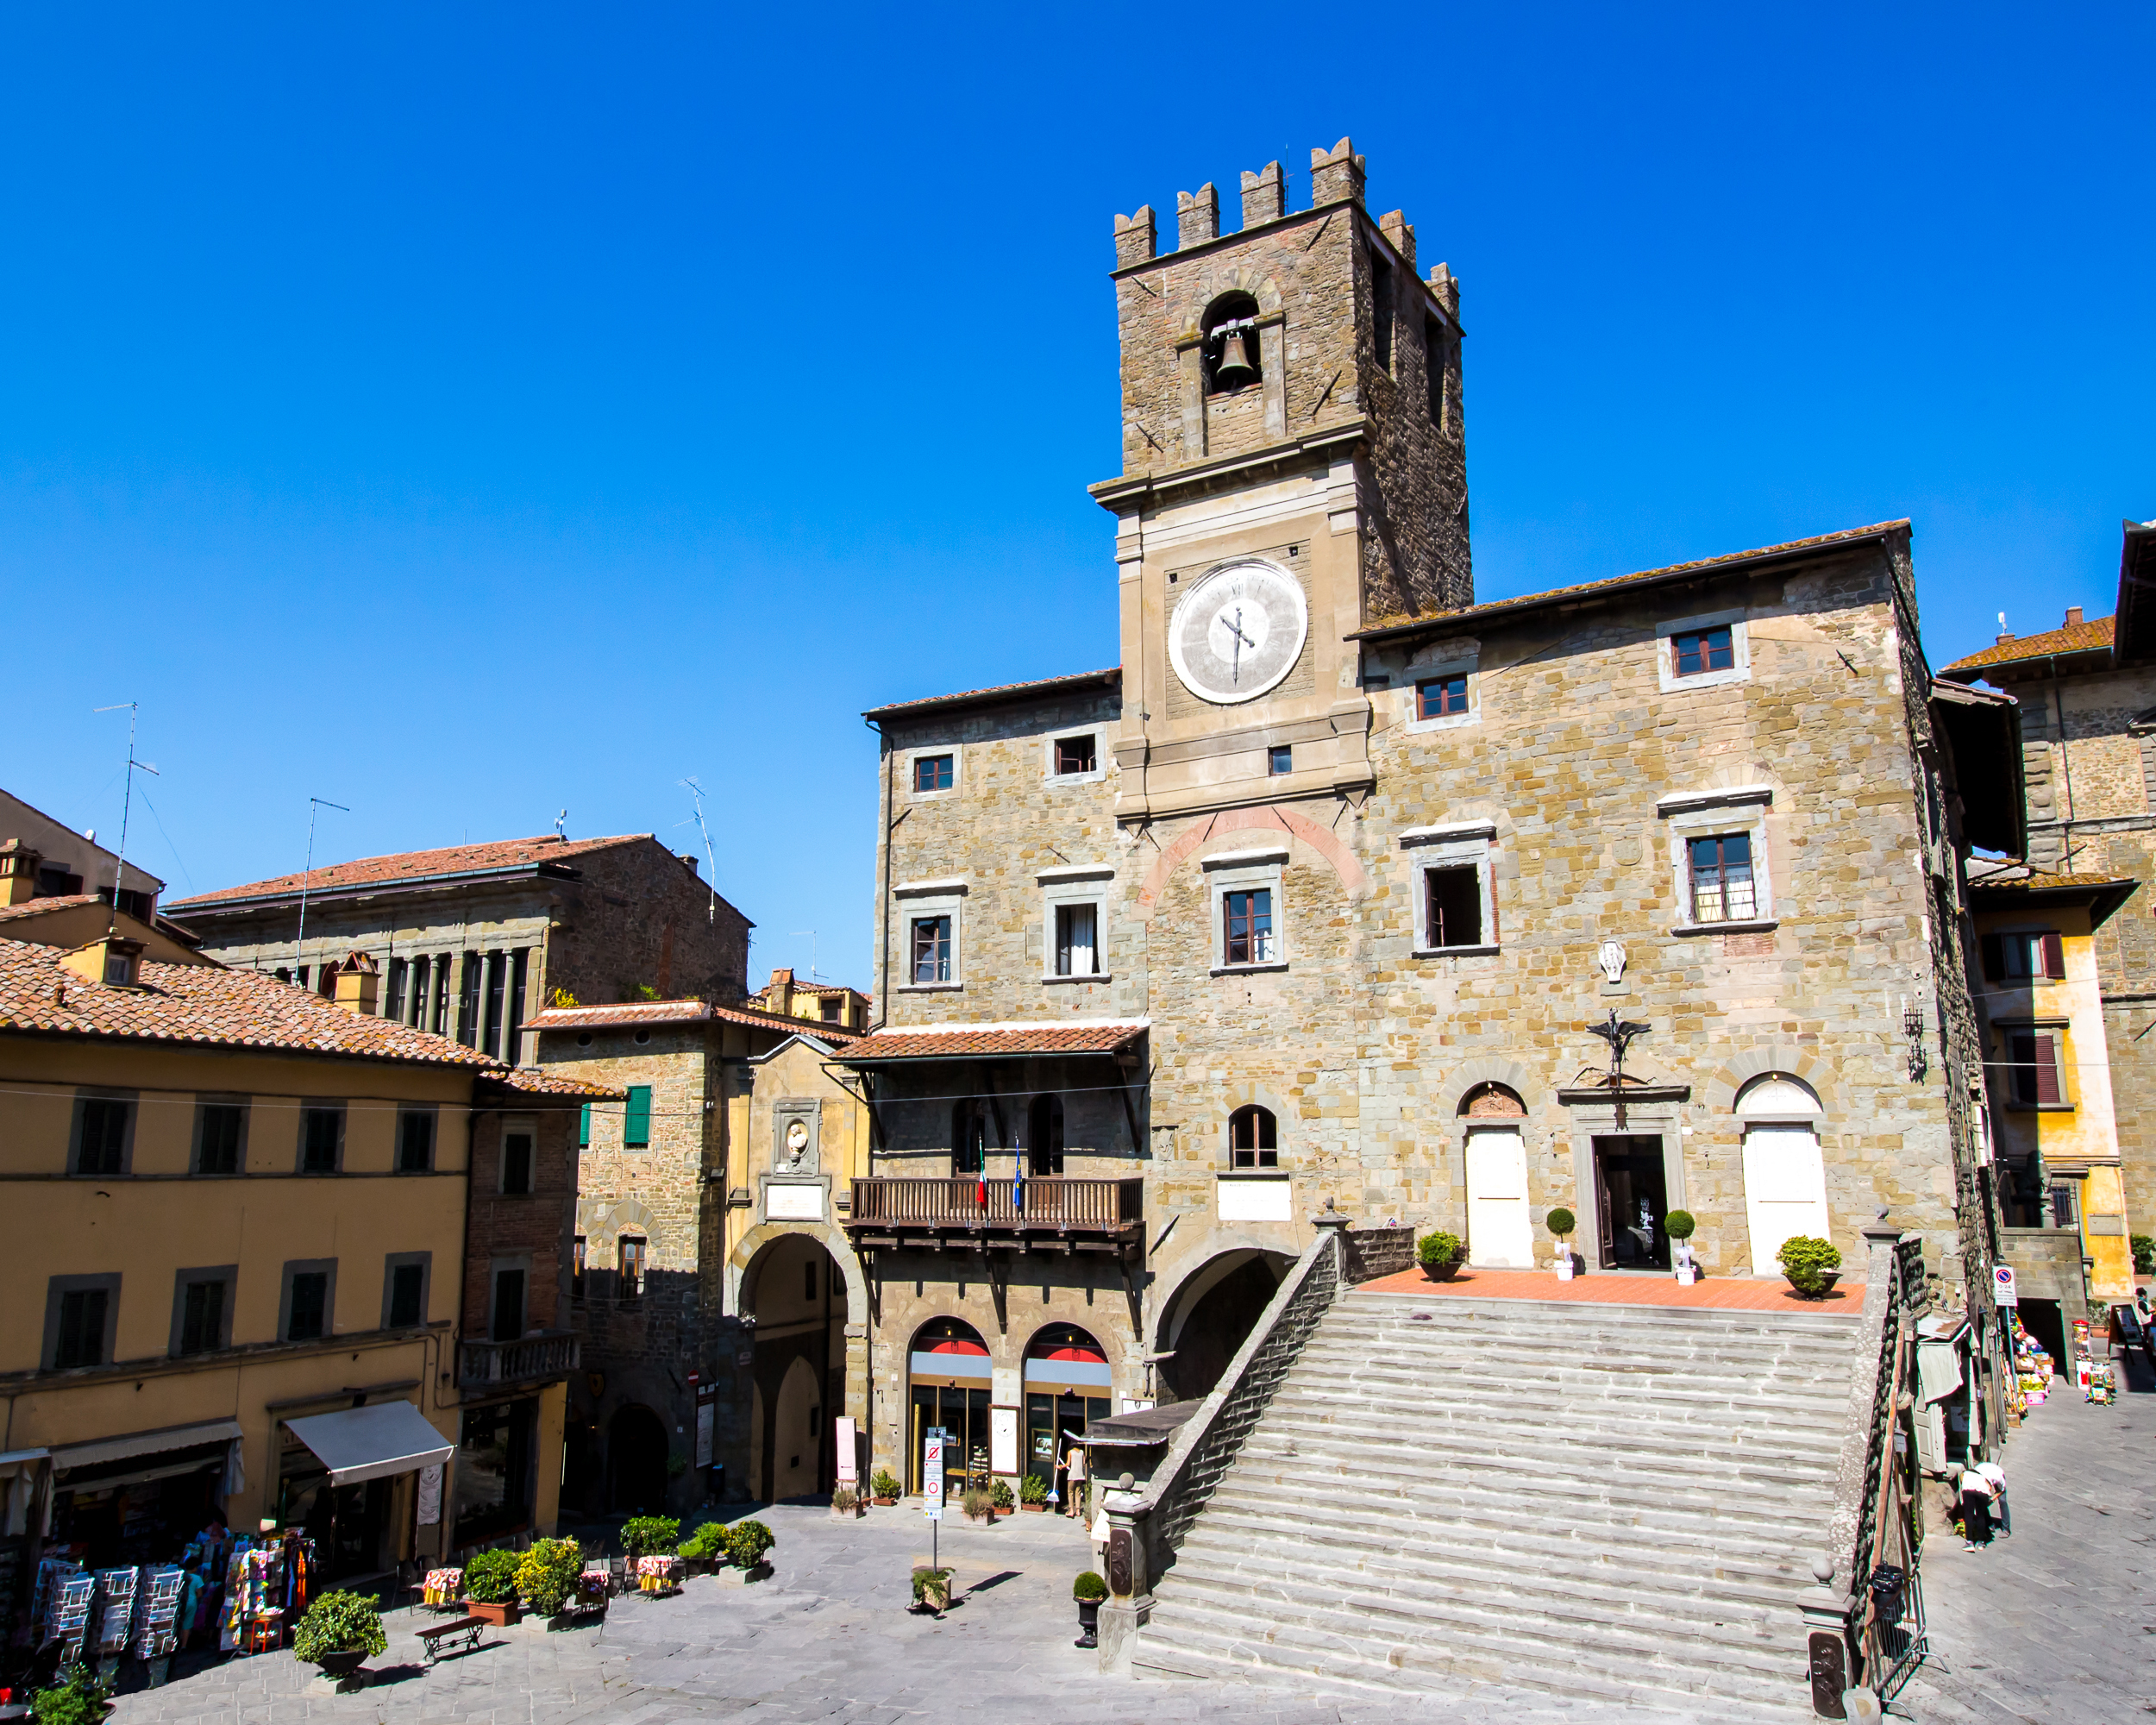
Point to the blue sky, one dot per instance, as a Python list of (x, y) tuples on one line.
[(463, 413)]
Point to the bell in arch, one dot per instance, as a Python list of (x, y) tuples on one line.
[(1236, 367)]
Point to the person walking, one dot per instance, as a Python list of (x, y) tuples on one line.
[(1976, 1509), (1075, 1465)]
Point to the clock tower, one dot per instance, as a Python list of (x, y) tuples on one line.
[(1293, 470)]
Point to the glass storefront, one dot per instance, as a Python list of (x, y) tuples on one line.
[(494, 1472), (949, 1382), (1066, 1385)]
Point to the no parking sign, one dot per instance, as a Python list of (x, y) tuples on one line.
[(2002, 1285)]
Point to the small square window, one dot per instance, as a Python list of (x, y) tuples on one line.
[(827, 1009), (1247, 933), (1697, 652), (1253, 1139), (1455, 907), (1722, 886), (308, 1312), (202, 1316), (101, 1144), (82, 1328), (1280, 758), (932, 772), (1076, 755), (320, 1130), (931, 949), (1441, 697), (2065, 1205)]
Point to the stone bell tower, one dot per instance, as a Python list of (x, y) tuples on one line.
[(1291, 420)]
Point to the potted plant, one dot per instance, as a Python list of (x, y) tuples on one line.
[(1812, 1266), (885, 1484), (704, 1548), (745, 1543), (931, 1590), (1439, 1254), (341, 1630), (1033, 1494), (1089, 1590), (845, 1504), (1561, 1223), (490, 1587), (76, 1697), (547, 1578), (650, 1536), (1680, 1225), (1002, 1497), (978, 1506)]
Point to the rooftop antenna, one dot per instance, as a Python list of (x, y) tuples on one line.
[(561, 825), (313, 803), (815, 975), (696, 795), (2001, 623), (127, 802)]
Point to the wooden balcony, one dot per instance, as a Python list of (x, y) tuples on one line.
[(1057, 1214), (529, 1359)]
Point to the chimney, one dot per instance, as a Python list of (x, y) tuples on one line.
[(18, 872), (1264, 195), (1197, 216), (778, 995), (1394, 227), (2073, 615), (358, 981), (1335, 175), (689, 857), (112, 959), (1134, 237)]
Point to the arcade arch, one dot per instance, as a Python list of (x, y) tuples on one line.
[(1211, 1315)]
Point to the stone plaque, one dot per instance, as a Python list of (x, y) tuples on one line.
[(1829, 1675), (1254, 1201), (793, 1203)]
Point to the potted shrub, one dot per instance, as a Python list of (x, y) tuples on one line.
[(745, 1543), (1033, 1493), (931, 1590), (650, 1536), (1680, 1225), (1439, 1254), (845, 1504), (885, 1484), (978, 1506), (547, 1578), (1089, 1590), (704, 1548), (1812, 1266), (76, 1697), (490, 1587), (1561, 1223), (1001, 1494), (341, 1630)]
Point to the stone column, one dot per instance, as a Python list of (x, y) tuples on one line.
[(1130, 1602)]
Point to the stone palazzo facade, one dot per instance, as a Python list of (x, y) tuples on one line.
[(1315, 900)]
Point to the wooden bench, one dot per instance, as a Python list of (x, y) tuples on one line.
[(442, 1635)]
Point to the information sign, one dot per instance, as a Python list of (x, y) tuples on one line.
[(2002, 1285), (1003, 1440), (848, 1463), (932, 1442)]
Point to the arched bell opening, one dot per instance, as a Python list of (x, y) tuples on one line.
[(1230, 347)]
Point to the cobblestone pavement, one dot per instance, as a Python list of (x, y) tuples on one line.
[(828, 1638), (2057, 1624)]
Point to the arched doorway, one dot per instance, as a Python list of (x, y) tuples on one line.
[(1067, 1384), (948, 1381), (1785, 1173), (637, 1460), (1211, 1316), (795, 1294), (1499, 1231)]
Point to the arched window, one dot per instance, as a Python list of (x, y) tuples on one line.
[(1044, 1137), (1228, 351), (1253, 1137), (968, 1137), (1775, 1096), (1492, 1102)]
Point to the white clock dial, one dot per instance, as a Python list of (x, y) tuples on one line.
[(1238, 632)]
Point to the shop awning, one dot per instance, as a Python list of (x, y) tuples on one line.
[(371, 1443), (134, 1444)]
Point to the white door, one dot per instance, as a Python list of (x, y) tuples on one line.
[(1785, 1190), (1499, 1233)]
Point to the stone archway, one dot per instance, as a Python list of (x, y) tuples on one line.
[(796, 1303), (1210, 1316)]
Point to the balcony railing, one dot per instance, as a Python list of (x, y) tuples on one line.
[(1050, 1211), (529, 1359)]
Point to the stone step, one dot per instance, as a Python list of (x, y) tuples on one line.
[(1365, 1306), (1335, 1428), (1614, 1375), (1706, 1346)]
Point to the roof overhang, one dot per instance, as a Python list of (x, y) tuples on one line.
[(2134, 634), (1049, 1039), (1003, 694), (2099, 896), (195, 909), (1982, 734)]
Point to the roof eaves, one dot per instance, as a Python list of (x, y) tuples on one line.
[(999, 695)]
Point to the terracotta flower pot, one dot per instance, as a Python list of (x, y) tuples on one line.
[(502, 1612), (1034, 1508), (883, 1503)]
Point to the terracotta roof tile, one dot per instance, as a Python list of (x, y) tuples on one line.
[(631, 1014), (408, 867), (2092, 637), (526, 1081), (945, 1042), (1041, 685), (206, 1005), (2036, 881), (31, 907)]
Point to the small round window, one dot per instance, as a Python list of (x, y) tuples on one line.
[(643, 1035), (584, 1038)]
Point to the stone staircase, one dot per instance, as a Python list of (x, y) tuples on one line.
[(1610, 1504)]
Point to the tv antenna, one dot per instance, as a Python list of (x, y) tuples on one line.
[(561, 825), (127, 803), (815, 975), (711, 865), (313, 804)]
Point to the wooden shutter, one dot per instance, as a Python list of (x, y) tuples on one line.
[(1993, 958), (2046, 1055), (2054, 955), (637, 1125)]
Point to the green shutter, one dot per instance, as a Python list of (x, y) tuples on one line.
[(637, 1129), (584, 1128)]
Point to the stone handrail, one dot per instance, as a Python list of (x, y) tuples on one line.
[(554, 1354)]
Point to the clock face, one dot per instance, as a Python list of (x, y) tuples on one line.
[(1238, 632)]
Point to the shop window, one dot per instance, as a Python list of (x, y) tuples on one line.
[(415, 1141), (306, 1311), (630, 1255), (1721, 879), (949, 1386), (933, 773), (202, 1310), (968, 1137), (220, 1137), (1066, 1382), (404, 1289), (637, 1118), (81, 1312), (103, 1125), (931, 949), (2033, 1064), (2024, 956), (516, 1160), (1253, 1139), (321, 1138), (1044, 1137)]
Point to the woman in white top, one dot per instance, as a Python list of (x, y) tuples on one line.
[(1076, 1462)]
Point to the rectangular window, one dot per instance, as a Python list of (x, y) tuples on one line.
[(509, 1305), (440, 988), (1076, 951), (636, 1130), (468, 1004), (218, 1129), (415, 1142), (932, 772), (54, 882), (2034, 1055), (931, 949), (321, 1133), (630, 1257), (1455, 905), (1253, 1139), (308, 1285), (517, 1147), (2065, 1205), (82, 1313), (1247, 935), (101, 1135), (393, 990), (2025, 956), (1441, 697), (1721, 878), (577, 1261), (497, 984), (1076, 754), (405, 1299), (827, 1009), (1697, 652), (1280, 758), (201, 1317), (584, 1127)]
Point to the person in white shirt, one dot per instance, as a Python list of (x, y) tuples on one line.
[(1977, 1493)]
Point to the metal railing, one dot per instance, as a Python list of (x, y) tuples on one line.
[(528, 1360), (1056, 1202)]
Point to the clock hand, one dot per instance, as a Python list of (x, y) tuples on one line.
[(1235, 672)]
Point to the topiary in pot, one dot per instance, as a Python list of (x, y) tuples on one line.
[(1561, 1223), (884, 1485), (1810, 1264), (1439, 1255), (1680, 1225), (340, 1630), (76, 1697), (650, 1536), (1000, 1494), (545, 1579), (490, 1586), (1089, 1590)]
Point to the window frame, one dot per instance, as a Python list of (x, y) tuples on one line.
[(635, 1292), (1096, 735), (391, 1263), (2050, 944), (1455, 659), (1456, 844), (920, 900), (295, 1268), (1245, 871), (315, 1105), (1741, 812), (226, 1274), (527, 1125), (913, 756), (57, 1287), (508, 1264), (203, 1104), (407, 1113), (1257, 1152), (2059, 1031), (1069, 887), (1279, 760), (1739, 650), (131, 1102)]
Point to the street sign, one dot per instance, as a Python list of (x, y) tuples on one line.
[(932, 1472), (2002, 1285)]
